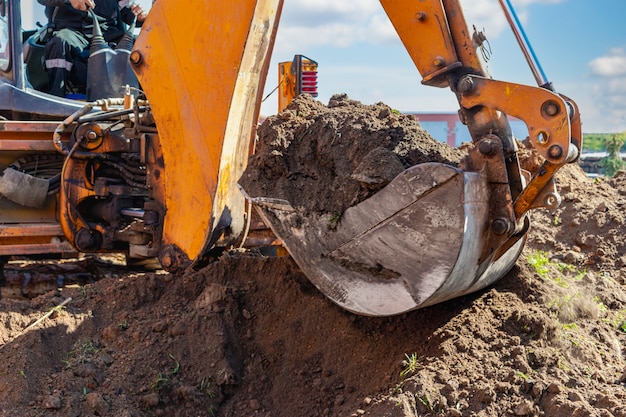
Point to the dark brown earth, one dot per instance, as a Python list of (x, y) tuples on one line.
[(328, 158), (250, 336)]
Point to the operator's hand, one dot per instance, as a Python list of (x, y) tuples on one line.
[(83, 5), (138, 11)]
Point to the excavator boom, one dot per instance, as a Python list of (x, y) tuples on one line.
[(205, 95)]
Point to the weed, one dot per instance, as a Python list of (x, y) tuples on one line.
[(563, 301), (580, 274), (123, 325), (410, 364), (333, 221), (176, 367), (560, 363), (22, 373), (601, 306), (81, 353), (556, 220), (433, 408), (555, 271), (205, 387), (616, 319), (160, 381), (539, 260), (571, 335)]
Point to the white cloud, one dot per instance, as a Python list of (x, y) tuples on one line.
[(608, 74), (611, 65), (343, 23), (337, 23)]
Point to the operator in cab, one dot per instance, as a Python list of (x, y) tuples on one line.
[(67, 52)]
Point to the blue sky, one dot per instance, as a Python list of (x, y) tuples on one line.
[(581, 45)]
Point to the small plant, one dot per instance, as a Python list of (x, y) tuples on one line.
[(570, 333), (613, 162), (433, 408), (205, 387), (558, 272), (176, 367), (601, 306), (160, 381), (81, 353), (539, 260), (410, 364), (570, 326), (561, 364), (333, 221)]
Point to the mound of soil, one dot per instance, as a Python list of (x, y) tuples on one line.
[(325, 159), (250, 336)]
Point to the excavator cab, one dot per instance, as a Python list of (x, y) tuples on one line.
[(22, 85)]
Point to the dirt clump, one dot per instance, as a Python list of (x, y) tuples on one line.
[(249, 335), (325, 159)]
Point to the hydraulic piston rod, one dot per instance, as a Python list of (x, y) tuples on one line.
[(525, 45)]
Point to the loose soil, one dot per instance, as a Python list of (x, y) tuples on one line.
[(248, 335), (324, 159)]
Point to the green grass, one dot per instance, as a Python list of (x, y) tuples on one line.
[(81, 353), (410, 365), (596, 142), (560, 273)]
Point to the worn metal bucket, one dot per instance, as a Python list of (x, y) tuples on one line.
[(417, 242)]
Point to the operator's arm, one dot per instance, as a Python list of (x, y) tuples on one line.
[(129, 12)]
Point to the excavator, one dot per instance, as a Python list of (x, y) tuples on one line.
[(154, 172)]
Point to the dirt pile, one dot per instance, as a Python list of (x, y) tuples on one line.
[(250, 336), (328, 158)]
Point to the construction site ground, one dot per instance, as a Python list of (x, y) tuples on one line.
[(249, 335)]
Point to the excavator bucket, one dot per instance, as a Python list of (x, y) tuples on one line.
[(416, 242)]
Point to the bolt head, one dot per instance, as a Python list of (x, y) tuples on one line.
[(135, 58), (555, 152), (465, 85)]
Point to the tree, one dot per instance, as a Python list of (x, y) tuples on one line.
[(613, 161)]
